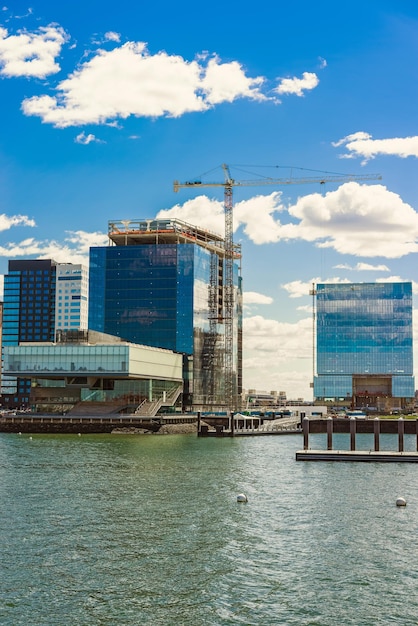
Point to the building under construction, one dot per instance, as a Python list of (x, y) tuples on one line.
[(161, 283)]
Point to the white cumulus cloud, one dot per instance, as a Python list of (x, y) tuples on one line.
[(299, 288), (362, 144), (254, 214), (8, 221), (201, 211), (363, 267), (31, 54), (222, 82), (356, 219), (361, 220), (74, 248), (128, 80), (112, 36), (253, 297), (297, 86), (86, 139), (268, 344)]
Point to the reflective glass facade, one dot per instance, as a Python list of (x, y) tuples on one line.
[(159, 295), (29, 315), (364, 330)]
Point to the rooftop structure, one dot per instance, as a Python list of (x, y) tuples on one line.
[(162, 231)]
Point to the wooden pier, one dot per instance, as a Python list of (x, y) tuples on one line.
[(238, 425), (354, 426)]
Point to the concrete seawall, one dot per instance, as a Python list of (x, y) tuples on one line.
[(86, 424)]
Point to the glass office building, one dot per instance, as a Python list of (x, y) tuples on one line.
[(28, 316), (364, 344), (162, 284), (40, 297)]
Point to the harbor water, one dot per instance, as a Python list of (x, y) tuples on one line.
[(122, 530)]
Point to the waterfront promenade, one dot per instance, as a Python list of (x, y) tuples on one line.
[(216, 426), (36, 423)]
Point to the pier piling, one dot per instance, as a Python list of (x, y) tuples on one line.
[(352, 427)]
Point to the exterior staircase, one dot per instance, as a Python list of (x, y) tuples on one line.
[(150, 408)]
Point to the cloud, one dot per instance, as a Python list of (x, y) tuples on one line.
[(362, 267), (255, 215), (128, 80), (268, 344), (362, 144), (201, 211), (224, 82), (84, 240), (74, 248), (86, 139), (297, 86), (7, 221), (360, 220), (305, 308), (252, 297), (112, 36), (31, 54), (299, 288)]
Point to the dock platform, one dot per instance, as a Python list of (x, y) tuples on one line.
[(357, 455), (354, 426)]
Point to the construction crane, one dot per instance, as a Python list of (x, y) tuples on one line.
[(228, 184)]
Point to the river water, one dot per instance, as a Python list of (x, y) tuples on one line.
[(126, 530)]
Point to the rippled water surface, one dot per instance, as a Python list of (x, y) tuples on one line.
[(132, 530)]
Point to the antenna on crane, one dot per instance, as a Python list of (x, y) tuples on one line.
[(228, 184)]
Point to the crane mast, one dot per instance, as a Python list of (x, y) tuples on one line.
[(229, 292), (228, 314)]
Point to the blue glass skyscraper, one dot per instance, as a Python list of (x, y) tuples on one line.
[(161, 284), (364, 344)]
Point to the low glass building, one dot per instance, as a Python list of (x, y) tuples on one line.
[(91, 368), (364, 354)]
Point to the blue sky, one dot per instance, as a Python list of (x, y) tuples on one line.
[(105, 105)]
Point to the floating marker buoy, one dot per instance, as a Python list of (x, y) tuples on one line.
[(241, 497), (401, 502)]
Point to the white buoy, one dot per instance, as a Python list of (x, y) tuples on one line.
[(241, 497), (400, 502)]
